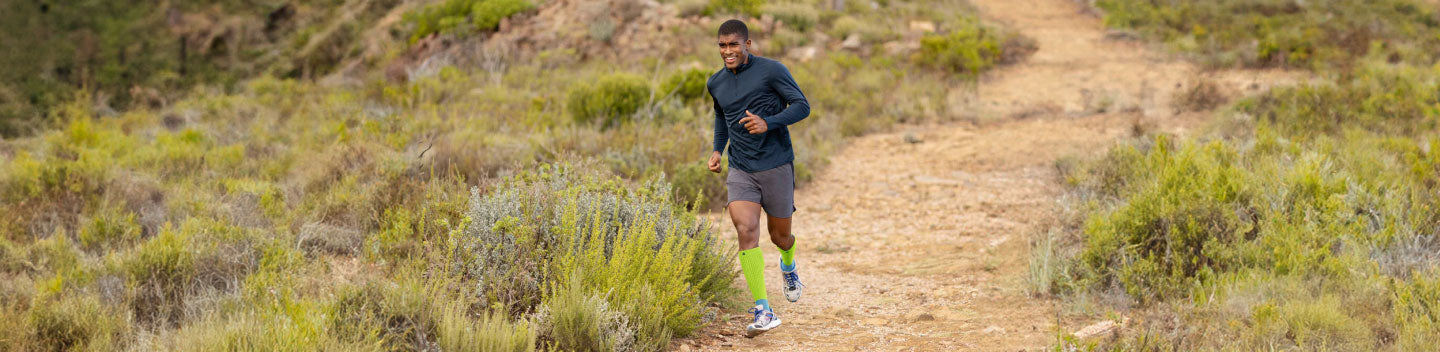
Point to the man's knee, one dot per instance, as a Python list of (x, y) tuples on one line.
[(778, 236), (747, 229), (778, 227), (749, 235)]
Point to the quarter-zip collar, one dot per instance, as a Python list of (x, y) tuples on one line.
[(749, 60)]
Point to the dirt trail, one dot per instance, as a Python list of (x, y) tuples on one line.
[(924, 246)]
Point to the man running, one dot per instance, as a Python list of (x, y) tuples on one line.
[(755, 99)]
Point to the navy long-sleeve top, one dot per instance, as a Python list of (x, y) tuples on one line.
[(765, 88)]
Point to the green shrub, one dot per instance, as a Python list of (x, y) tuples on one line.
[(186, 152), (111, 226), (610, 100), (397, 238), (487, 13), (75, 162), (688, 85), (67, 172), (161, 271), (745, 7), (630, 245), (1180, 223), (461, 17), (1381, 98), (967, 50), (698, 188), (1109, 177)]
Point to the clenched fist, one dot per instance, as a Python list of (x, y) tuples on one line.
[(754, 123), (714, 163)]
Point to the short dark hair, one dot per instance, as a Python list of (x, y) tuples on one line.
[(735, 27)]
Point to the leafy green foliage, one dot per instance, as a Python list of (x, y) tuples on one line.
[(966, 51), (459, 17), (610, 101), (698, 188), (688, 85), (745, 7), (1176, 225)]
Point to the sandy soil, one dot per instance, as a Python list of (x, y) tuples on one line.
[(918, 239)]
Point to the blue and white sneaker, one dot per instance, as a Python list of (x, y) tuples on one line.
[(792, 285), (764, 321)]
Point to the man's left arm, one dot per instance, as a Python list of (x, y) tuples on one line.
[(796, 109)]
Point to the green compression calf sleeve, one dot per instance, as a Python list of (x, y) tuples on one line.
[(752, 263)]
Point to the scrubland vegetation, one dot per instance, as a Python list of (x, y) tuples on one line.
[(1330, 34), (1307, 218), (513, 201)]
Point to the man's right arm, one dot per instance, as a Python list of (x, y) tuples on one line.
[(720, 138)]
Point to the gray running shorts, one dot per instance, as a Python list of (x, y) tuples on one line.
[(774, 189)]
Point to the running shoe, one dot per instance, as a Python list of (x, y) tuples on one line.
[(792, 285), (764, 321)]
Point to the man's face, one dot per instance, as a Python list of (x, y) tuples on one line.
[(734, 49)]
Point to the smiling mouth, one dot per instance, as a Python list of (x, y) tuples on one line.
[(729, 60)]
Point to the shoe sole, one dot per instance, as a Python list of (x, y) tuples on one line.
[(751, 332)]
